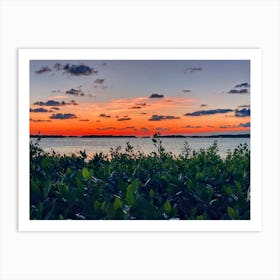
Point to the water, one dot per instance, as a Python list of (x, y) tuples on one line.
[(70, 145)]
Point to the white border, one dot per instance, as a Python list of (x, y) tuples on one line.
[(254, 55)]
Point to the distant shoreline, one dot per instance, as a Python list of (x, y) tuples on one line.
[(133, 136)]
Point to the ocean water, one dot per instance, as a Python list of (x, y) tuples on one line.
[(70, 145)]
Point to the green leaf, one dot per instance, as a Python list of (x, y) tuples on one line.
[(135, 185), (129, 195), (85, 173), (167, 206), (118, 203), (227, 190), (151, 193), (232, 213)]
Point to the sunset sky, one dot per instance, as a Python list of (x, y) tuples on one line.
[(139, 97)]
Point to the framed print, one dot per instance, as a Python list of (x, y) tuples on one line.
[(190, 81), (140, 139)]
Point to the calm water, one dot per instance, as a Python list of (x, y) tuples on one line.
[(96, 145)]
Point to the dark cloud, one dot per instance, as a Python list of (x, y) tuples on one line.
[(156, 95), (104, 116), (191, 126), (244, 125), (186, 90), (143, 113), (192, 70), (43, 69), (136, 107), (55, 91), (244, 85), (39, 120), (55, 108), (238, 91), (124, 119), (203, 105), (247, 124), (104, 64), (208, 112), (99, 81), (39, 110), (162, 118), (210, 126), (60, 116), (84, 120), (76, 92), (244, 106), (246, 112), (55, 103), (79, 70), (242, 88)]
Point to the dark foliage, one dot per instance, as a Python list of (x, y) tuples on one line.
[(130, 185)]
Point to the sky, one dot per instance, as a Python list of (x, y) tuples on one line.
[(139, 97)]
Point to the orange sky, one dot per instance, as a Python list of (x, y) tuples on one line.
[(139, 97), (122, 119)]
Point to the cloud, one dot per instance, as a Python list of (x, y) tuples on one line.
[(39, 120), (76, 92), (139, 105), (186, 90), (84, 120), (245, 85), (248, 124), (192, 70), (143, 113), (125, 118), (244, 125), (79, 70), (55, 108), (244, 106), (39, 110), (156, 95), (242, 88), (238, 91), (104, 116), (136, 107), (55, 103), (208, 112), (246, 112), (60, 116), (99, 81), (191, 126), (203, 105), (162, 118), (43, 69)]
